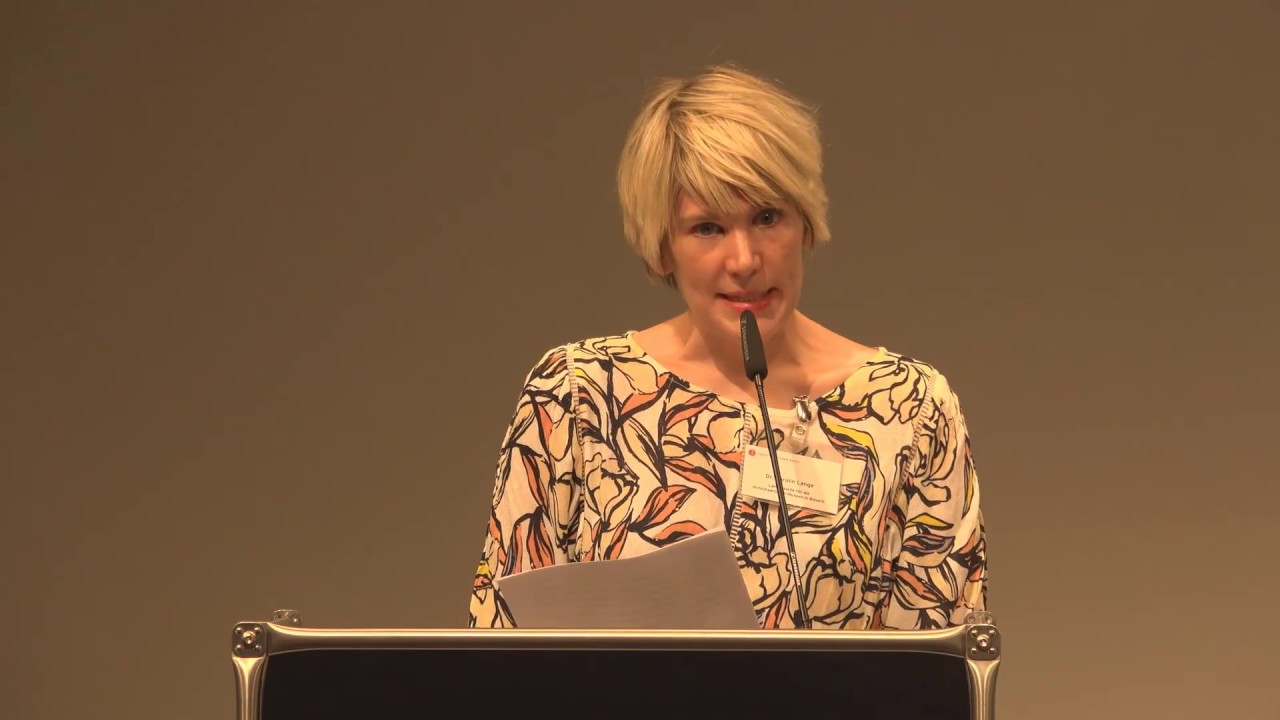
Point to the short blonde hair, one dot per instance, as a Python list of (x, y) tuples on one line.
[(718, 137)]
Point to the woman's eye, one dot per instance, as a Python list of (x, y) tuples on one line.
[(706, 229), (769, 217)]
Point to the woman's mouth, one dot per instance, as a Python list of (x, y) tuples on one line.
[(753, 301)]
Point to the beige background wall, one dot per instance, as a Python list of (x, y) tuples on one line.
[(272, 274)]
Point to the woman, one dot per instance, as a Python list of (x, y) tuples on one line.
[(621, 445)]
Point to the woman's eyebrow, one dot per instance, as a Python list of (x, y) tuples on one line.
[(696, 218)]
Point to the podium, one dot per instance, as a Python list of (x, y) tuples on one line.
[(285, 671)]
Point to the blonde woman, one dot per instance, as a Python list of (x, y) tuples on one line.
[(621, 445)]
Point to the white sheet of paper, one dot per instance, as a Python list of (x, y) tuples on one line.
[(692, 584)]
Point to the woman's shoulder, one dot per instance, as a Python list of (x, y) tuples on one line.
[(598, 351), (896, 361), (620, 345), (894, 386), (589, 368), (902, 375), (888, 363), (856, 362)]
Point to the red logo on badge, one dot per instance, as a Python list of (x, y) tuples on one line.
[(751, 451)]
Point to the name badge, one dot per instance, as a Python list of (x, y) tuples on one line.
[(809, 482)]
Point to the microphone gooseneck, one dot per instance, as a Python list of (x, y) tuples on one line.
[(757, 369)]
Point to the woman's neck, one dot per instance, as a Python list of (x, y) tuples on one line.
[(693, 349)]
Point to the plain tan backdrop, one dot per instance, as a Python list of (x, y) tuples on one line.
[(273, 273)]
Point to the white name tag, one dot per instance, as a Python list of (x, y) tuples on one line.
[(809, 482)]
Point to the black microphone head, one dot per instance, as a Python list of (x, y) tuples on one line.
[(752, 347)]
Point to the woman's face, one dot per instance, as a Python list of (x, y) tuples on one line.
[(750, 259)]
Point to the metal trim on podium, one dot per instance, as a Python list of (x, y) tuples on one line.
[(254, 643)]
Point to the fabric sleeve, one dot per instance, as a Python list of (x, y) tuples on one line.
[(533, 516), (937, 574)]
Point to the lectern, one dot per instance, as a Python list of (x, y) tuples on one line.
[(285, 671)]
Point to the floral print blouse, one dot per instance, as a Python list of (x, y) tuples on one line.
[(610, 455)]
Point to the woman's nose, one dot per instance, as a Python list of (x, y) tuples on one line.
[(743, 258)]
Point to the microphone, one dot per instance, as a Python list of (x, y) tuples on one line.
[(757, 369)]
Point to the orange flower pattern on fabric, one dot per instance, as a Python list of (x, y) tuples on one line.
[(610, 455)]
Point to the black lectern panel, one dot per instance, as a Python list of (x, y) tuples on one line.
[(651, 684)]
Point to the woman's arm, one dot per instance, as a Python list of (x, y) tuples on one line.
[(938, 573), (533, 517)]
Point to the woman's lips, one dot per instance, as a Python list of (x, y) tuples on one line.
[(755, 302)]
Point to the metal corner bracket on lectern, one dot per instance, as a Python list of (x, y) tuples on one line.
[(982, 655), (250, 643)]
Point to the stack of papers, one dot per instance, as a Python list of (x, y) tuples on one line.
[(692, 584)]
